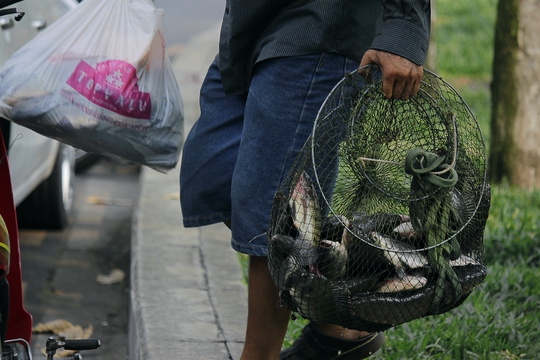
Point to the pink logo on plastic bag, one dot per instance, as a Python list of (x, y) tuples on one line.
[(112, 85)]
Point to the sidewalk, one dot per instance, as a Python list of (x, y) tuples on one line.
[(187, 296)]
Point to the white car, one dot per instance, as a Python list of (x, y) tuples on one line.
[(42, 169)]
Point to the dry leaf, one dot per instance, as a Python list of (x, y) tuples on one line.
[(172, 196), (64, 329), (114, 277), (98, 200), (55, 327), (77, 332)]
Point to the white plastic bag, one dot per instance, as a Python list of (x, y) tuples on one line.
[(100, 79)]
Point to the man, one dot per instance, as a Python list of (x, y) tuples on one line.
[(277, 62)]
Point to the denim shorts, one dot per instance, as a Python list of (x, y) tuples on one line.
[(241, 148)]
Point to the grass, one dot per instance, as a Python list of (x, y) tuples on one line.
[(464, 36), (501, 318)]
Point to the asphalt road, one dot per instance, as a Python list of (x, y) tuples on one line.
[(61, 268), (183, 19)]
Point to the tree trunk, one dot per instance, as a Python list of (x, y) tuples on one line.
[(515, 120)]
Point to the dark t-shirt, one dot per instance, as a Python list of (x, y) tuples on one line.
[(255, 30)]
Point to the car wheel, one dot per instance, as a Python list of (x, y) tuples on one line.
[(84, 160), (49, 205)]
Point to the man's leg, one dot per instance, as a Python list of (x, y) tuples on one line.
[(209, 155), (267, 321), (281, 107)]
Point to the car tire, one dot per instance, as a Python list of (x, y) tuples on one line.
[(49, 205)]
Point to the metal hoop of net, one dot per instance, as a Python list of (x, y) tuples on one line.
[(381, 219)]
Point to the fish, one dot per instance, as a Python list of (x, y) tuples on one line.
[(281, 271), (470, 277), (397, 308), (334, 228), (464, 260), (306, 215), (401, 255), (305, 293), (301, 252), (281, 221), (279, 262), (305, 209), (333, 259), (364, 257), (314, 297), (294, 233), (405, 231), (280, 246), (384, 223), (405, 283)]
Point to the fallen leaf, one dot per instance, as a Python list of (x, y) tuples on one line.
[(114, 277), (55, 326), (172, 196), (98, 200), (77, 332), (65, 329)]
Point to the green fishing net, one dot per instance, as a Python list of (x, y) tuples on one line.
[(381, 219)]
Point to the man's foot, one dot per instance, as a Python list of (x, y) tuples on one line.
[(314, 345)]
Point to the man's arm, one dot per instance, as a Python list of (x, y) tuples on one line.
[(400, 48), (401, 77)]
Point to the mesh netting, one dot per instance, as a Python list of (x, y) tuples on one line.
[(381, 219)]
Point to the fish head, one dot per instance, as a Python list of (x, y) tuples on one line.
[(378, 239), (333, 227), (305, 209), (333, 246), (327, 244), (281, 245), (281, 221)]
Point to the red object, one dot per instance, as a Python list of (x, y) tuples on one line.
[(20, 321)]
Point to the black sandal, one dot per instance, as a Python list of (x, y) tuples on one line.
[(313, 345)]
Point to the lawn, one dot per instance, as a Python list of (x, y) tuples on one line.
[(501, 318)]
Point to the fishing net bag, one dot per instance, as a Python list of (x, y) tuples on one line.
[(381, 219)]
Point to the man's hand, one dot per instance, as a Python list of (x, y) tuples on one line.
[(401, 77)]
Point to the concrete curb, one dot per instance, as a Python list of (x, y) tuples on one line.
[(187, 299)]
